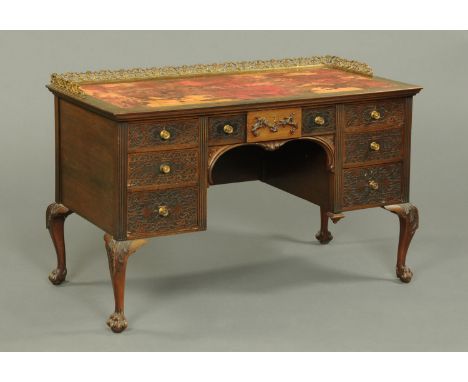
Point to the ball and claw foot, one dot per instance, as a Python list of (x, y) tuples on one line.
[(324, 237), (117, 322), (57, 276), (404, 274)]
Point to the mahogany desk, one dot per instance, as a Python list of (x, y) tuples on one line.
[(137, 149)]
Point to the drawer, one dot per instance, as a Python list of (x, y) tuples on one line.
[(274, 124), (372, 185), (162, 168), (162, 135), (381, 114), (226, 129), (163, 211), (318, 120), (373, 146)]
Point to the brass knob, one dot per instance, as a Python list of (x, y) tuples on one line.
[(375, 115), (163, 211), (319, 120), (164, 134), (165, 168), (228, 129), (373, 184), (374, 146)]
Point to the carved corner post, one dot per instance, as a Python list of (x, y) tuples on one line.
[(324, 236), (409, 223), (55, 219), (118, 253)]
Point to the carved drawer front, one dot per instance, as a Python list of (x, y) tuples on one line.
[(373, 185), (318, 120), (274, 124), (163, 134), (163, 168), (373, 146), (163, 211), (226, 129), (379, 114)]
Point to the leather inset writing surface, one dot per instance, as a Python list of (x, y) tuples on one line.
[(231, 88)]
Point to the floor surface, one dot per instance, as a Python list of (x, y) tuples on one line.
[(256, 280)]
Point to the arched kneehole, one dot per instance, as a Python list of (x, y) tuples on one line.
[(301, 167)]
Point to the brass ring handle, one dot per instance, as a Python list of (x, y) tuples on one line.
[(319, 120), (375, 115), (374, 146), (373, 184), (163, 211), (228, 129), (165, 135), (165, 168)]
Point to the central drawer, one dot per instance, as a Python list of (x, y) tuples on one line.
[(274, 124)]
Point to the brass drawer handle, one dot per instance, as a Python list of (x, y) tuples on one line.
[(373, 184), (165, 168), (163, 211), (374, 146), (165, 135), (375, 115), (319, 120), (228, 129)]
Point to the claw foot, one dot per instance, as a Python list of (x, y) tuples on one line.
[(404, 273), (117, 322), (324, 237), (57, 276)]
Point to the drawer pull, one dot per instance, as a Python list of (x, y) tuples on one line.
[(262, 122), (165, 168), (373, 184), (165, 135), (374, 146), (163, 211), (375, 115), (228, 129), (319, 120)]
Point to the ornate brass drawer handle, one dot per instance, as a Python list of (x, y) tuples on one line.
[(261, 122), (163, 211), (374, 146), (165, 135), (373, 185), (228, 129), (165, 168), (319, 120), (375, 115)]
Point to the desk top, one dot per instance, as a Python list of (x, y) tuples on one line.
[(201, 86)]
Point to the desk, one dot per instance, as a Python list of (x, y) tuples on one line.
[(137, 149)]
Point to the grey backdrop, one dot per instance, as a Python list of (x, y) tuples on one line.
[(257, 279)]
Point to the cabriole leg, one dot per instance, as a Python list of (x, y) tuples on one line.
[(409, 222), (324, 236), (118, 253), (55, 219)]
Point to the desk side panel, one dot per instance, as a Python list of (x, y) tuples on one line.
[(87, 165)]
